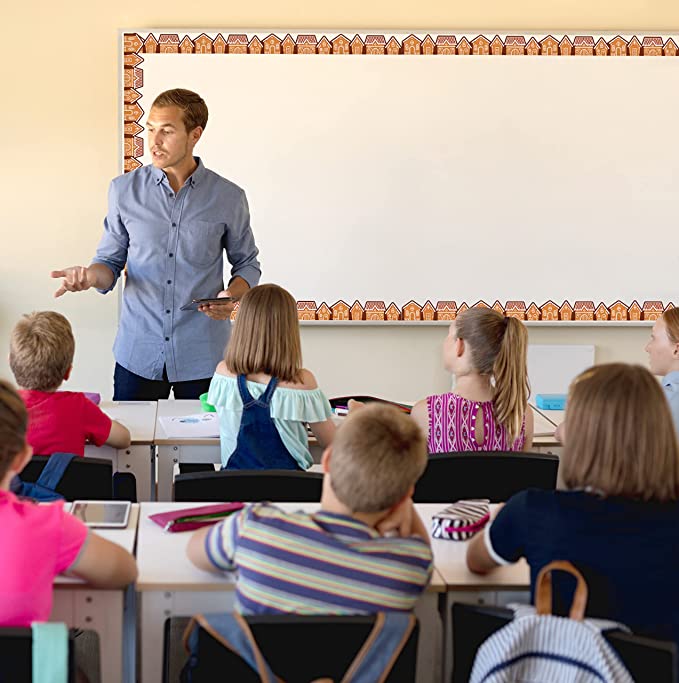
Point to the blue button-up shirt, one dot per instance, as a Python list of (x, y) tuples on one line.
[(173, 247), (670, 383)]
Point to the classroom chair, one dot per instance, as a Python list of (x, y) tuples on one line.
[(645, 658), (495, 475), (330, 643), (249, 486)]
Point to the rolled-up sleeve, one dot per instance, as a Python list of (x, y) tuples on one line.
[(112, 249), (239, 242)]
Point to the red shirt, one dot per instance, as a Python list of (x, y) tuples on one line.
[(63, 422)]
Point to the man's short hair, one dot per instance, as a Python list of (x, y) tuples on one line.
[(13, 425), (192, 105), (41, 350), (377, 455)]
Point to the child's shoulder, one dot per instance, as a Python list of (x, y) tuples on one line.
[(306, 381)]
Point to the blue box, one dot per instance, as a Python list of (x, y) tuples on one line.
[(551, 401)]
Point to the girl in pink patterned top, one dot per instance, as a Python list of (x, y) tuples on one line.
[(488, 411)]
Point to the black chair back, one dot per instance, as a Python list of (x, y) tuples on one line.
[(495, 475), (247, 486), (330, 645), (84, 478), (16, 652), (646, 659)]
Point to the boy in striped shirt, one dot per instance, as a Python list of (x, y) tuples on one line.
[(366, 549)]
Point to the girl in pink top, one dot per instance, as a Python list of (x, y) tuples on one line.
[(37, 542), (488, 411)]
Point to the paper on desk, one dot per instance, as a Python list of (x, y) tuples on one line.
[(198, 426)]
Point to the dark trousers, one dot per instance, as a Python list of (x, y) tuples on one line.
[(130, 387)]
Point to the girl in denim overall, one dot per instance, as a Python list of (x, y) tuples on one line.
[(263, 396)]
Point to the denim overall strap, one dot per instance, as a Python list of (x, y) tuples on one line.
[(268, 392), (245, 395)]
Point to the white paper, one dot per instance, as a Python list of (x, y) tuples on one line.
[(198, 426)]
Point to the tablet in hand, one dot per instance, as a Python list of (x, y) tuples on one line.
[(193, 306)]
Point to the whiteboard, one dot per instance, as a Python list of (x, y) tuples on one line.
[(552, 367), (401, 178)]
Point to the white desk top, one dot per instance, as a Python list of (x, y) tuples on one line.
[(177, 408), (138, 416)]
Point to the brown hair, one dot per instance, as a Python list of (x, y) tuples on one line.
[(377, 455), (671, 320), (41, 350), (620, 438), (13, 424), (266, 335), (194, 109), (498, 348)]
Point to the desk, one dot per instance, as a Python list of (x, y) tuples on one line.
[(169, 585), (139, 459), (111, 613), (545, 423)]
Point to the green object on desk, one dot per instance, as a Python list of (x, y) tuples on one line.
[(207, 407)]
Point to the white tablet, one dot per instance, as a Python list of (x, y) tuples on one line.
[(112, 514)]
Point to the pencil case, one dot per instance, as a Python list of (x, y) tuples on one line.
[(461, 520), (189, 519), (340, 404), (551, 401)]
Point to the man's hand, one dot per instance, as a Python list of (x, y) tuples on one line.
[(219, 311), (75, 279)]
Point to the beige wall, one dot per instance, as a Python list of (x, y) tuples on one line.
[(61, 151)]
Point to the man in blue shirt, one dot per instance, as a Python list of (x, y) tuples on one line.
[(169, 223)]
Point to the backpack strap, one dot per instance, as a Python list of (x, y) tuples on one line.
[(543, 590), (54, 470), (381, 649)]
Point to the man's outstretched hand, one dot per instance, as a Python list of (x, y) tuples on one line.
[(75, 279)]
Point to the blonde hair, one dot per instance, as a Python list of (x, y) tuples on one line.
[(41, 350), (13, 424), (377, 455), (192, 105), (265, 335), (620, 438), (671, 320), (498, 347)]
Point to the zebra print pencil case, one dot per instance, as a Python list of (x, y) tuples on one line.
[(461, 520)]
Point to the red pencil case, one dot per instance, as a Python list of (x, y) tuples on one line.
[(188, 519)]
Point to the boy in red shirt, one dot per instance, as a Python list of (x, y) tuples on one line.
[(41, 357)]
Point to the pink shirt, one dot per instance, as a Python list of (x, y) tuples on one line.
[(38, 542), (63, 422)]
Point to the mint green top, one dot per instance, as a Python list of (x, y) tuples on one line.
[(291, 409)]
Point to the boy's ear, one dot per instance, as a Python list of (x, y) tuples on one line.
[(325, 459), (68, 373)]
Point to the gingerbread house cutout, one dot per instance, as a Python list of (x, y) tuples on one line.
[(288, 45), (237, 44), (132, 60), (134, 147), (428, 311), (132, 128), (272, 45), (652, 310), (549, 311), (374, 310), (670, 48), (601, 48), (634, 47), (131, 95), (428, 45), (566, 311), (669, 307), (357, 311), (446, 45), (497, 47), (634, 311), (357, 45), (151, 44), (186, 46), (323, 312), (393, 46), (481, 304), (532, 48), (601, 313), (375, 45), (515, 45), (583, 46), (565, 47), (306, 44), (133, 78), (497, 306), (412, 311), (203, 45), (324, 47), (533, 312), (219, 45), (341, 45), (255, 46), (618, 311), (306, 310), (168, 43), (463, 47), (340, 310), (516, 309), (463, 308), (392, 313), (480, 46), (618, 47), (446, 310), (652, 46), (584, 310), (412, 45), (234, 312), (549, 46), (132, 42)]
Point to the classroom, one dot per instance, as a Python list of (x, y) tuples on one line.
[(67, 121)]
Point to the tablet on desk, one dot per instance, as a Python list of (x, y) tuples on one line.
[(106, 514), (193, 306)]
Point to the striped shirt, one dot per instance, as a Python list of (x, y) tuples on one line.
[(321, 563)]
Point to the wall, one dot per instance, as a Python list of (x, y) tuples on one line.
[(61, 155)]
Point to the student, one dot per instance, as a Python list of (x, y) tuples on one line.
[(365, 551), (40, 541), (663, 356), (41, 357), (488, 411), (263, 396), (618, 520)]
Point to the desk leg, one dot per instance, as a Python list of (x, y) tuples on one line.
[(139, 460), (430, 639), (167, 457)]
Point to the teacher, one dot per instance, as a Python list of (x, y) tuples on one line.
[(170, 224)]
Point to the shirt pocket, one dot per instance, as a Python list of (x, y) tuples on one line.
[(200, 242)]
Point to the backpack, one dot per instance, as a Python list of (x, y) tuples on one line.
[(372, 663), (44, 489), (541, 647)]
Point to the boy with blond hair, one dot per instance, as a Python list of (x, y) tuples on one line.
[(41, 357), (366, 550)]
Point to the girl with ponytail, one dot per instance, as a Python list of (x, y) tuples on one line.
[(488, 411)]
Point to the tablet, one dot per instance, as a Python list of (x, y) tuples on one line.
[(112, 514), (193, 306)]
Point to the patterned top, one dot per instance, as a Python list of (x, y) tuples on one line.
[(451, 426), (321, 563)]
